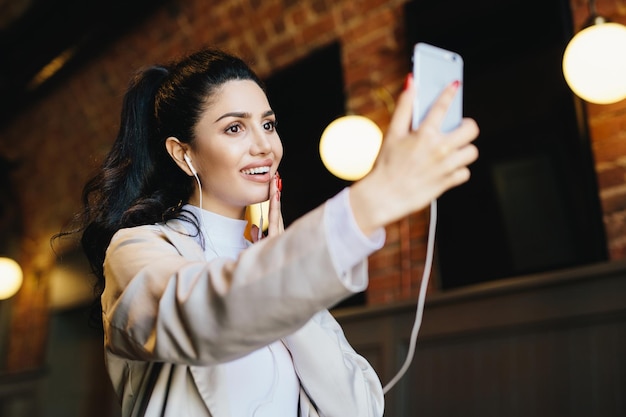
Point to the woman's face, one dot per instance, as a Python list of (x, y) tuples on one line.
[(237, 149)]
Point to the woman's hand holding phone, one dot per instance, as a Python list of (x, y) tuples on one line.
[(414, 166)]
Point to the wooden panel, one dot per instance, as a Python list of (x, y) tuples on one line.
[(544, 345)]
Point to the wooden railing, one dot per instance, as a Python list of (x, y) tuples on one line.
[(551, 344)]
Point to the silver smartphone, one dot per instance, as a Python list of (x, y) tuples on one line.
[(433, 69)]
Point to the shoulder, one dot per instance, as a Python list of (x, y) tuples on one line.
[(171, 237), (138, 238), (154, 231), (137, 233), (149, 247)]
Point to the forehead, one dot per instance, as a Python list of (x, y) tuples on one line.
[(240, 95)]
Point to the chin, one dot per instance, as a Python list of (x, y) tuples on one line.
[(259, 201), (261, 198)]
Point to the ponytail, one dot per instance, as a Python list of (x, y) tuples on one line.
[(126, 169)]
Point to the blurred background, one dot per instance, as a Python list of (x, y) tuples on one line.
[(526, 306)]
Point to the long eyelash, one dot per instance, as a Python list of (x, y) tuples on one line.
[(230, 127)]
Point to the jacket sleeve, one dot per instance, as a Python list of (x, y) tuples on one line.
[(332, 362), (159, 305)]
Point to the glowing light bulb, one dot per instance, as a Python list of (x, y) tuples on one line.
[(594, 63), (10, 278), (349, 146)]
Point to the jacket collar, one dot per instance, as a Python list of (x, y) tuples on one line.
[(178, 233)]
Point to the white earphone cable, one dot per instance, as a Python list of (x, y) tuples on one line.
[(421, 298), (202, 226), (260, 233)]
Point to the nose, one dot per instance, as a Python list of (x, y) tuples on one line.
[(260, 142)]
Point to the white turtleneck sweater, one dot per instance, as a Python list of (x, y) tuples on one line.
[(262, 383)]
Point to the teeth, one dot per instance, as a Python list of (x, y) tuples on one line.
[(259, 170)]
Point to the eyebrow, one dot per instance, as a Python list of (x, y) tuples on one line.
[(243, 115)]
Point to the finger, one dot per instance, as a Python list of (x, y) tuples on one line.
[(400, 122), (275, 225), (466, 133), (254, 233), (445, 145), (455, 170), (437, 113), (460, 159), (457, 177)]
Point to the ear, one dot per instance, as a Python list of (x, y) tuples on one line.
[(177, 152)]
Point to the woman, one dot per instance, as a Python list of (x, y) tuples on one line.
[(198, 320)]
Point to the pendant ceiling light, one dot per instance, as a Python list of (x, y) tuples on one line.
[(594, 62), (350, 144), (10, 278)]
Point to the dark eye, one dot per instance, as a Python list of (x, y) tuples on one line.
[(236, 128), (269, 125)]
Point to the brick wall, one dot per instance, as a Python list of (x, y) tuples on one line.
[(61, 138), (607, 127)]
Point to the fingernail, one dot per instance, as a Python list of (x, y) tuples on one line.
[(279, 182), (456, 84), (408, 80)]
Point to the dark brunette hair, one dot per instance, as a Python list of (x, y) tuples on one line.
[(138, 182)]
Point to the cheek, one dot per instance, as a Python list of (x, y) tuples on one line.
[(278, 149), (219, 159)]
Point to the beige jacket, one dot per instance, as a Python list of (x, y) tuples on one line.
[(171, 319)]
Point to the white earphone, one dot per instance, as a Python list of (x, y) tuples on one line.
[(188, 160), (195, 174)]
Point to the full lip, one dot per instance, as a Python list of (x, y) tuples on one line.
[(264, 177)]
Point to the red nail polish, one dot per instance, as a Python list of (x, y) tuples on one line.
[(408, 80), (456, 84), (279, 182)]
